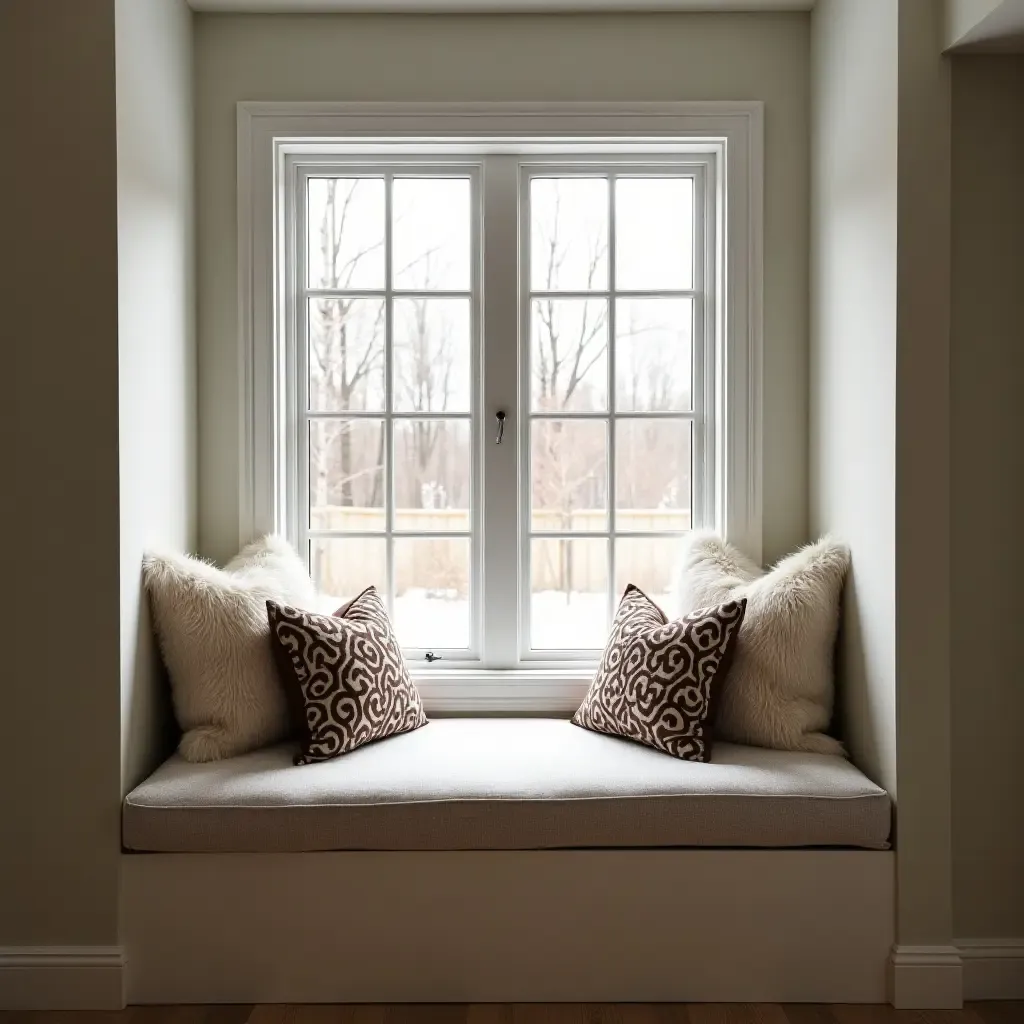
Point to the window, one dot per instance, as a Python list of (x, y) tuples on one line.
[(386, 347), (497, 379), (613, 287)]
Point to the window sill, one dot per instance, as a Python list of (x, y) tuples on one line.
[(502, 691)]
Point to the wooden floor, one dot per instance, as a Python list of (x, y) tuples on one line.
[(535, 1013)]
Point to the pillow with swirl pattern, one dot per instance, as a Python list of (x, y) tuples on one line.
[(344, 676), (658, 680)]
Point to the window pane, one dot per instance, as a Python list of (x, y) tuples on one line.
[(346, 355), (342, 569), (650, 564), (569, 469), (653, 355), (430, 218), (346, 475), (569, 355), (432, 475), (432, 593), (652, 471), (568, 594), (568, 234), (654, 233), (345, 230), (432, 355)]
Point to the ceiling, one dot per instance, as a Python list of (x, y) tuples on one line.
[(490, 6)]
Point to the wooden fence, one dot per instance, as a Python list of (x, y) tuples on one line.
[(443, 564)]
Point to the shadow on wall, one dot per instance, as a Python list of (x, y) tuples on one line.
[(853, 696), (148, 727)]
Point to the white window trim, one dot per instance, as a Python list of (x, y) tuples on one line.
[(267, 132)]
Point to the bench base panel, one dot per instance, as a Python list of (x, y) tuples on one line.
[(494, 926)]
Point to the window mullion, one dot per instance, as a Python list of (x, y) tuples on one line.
[(611, 398), (389, 399), (500, 365), (296, 497)]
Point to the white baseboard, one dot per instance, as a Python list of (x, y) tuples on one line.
[(993, 968), (926, 978), (61, 978)]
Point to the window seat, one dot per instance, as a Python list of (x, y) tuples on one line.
[(505, 784)]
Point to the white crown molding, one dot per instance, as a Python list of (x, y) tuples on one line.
[(926, 978), (62, 977), (993, 968)]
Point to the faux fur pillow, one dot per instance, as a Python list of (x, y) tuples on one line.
[(213, 632), (779, 691)]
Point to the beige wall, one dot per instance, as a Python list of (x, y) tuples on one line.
[(924, 865), (529, 58), (880, 410), (156, 313), (988, 494), (59, 722), (853, 352)]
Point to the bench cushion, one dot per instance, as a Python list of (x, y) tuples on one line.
[(505, 784)]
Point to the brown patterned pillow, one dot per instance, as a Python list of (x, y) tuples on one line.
[(344, 675), (658, 679)]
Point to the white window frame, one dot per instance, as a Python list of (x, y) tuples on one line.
[(270, 134), (298, 169), (702, 168)]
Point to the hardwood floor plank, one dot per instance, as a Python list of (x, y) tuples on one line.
[(965, 1016), (322, 1014), (489, 1013), (547, 1013), (851, 1013), (736, 1013), (168, 1014), (999, 1012), (655, 1013), (808, 1013), (532, 1013), (369, 1013), (226, 1014), (426, 1013)]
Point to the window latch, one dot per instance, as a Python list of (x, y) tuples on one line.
[(500, 417), (432, 657)]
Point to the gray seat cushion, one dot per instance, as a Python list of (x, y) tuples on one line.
[(505, 784)]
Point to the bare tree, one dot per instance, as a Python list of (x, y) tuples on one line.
[(566, 477), (345, 350)]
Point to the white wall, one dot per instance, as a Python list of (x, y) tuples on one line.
[(853, 351), (527, 58), (60, 831), (156, 324), (880, 410), (988, 495)]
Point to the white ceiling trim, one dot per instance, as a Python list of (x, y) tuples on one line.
[(489, 6)]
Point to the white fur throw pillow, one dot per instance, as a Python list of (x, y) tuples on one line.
[(215, 638), (779, 690)]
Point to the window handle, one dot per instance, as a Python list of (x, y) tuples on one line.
[(500, 417)]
